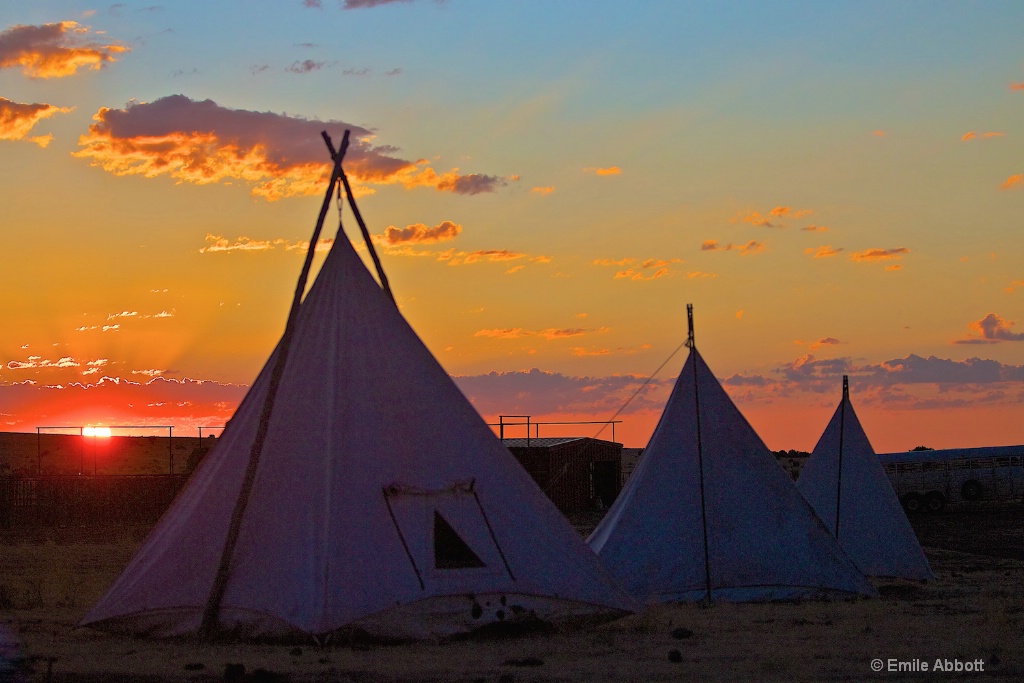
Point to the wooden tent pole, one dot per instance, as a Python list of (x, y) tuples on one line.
[(700, 452), (839, 473), (362, 225), (211, 614)]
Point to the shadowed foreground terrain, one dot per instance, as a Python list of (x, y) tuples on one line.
[(973, 613)]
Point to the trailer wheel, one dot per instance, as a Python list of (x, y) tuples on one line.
[(934, 502), (971, 490), (912, 502)]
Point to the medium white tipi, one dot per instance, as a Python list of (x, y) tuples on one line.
[(845, 483), (709, 513), (381, 501)]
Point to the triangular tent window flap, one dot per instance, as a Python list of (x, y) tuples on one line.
[(450, 551)]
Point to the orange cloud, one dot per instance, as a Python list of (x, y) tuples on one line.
[(873, 255), (1016, 284), (755, 218), (1017, 86), (827, 341), (1013, 181), (542, 190), (971, 135), (751, 247), (660, 268), (823, 251), (458, 258), (53, 50), (639, 275), (610, 170), (878, 133), (506, 333), (217, 243), (583, 352), (815, 228), (580, 351), (549, 334), (17, 120), (699, 274), (279, 156), (419, 233), (993, 329)]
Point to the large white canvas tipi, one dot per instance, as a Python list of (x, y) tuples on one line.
[(381, 501), (709, 513), (845, 483)]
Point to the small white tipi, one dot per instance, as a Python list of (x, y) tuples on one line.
[(845, 483), (709, 513), (381, 501)]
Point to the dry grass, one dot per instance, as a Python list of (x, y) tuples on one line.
[(973, 610)]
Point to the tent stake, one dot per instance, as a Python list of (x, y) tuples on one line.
[(211, 614)]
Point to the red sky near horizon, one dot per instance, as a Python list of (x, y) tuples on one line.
[(545, 208)]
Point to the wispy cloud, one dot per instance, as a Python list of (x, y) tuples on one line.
[(550, 333), (38, 362), (751, 247), (640, 270), (1017, 86), (824, 341), (606, 171), (755, 218), (876, 255), (1016, 284), (17, 120), (772, 220), (973, 135), (814, 228), (1013, 181), (542, 190), (362, 4), (279, 156), (161, 400), (456, 257), (538, 392), (305, 66), (219, 243), (824, 251), (54, 50)]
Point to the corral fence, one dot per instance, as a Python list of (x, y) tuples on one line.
[(76, 500)]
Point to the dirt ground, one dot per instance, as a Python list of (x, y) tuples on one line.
[(973, 614)]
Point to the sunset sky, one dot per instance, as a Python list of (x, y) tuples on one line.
[(837, 187)]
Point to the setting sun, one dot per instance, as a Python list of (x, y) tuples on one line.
[(103, 432)]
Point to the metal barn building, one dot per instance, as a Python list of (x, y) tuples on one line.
[(577, 473)]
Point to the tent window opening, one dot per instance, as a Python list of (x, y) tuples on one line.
[(450, 551)]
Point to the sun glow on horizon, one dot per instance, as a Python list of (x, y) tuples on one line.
[(99, 432)]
